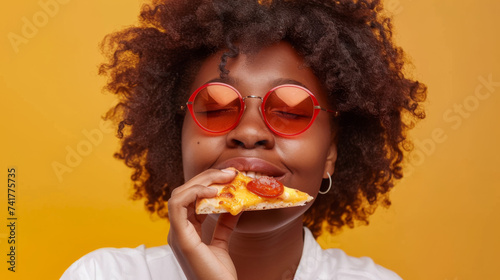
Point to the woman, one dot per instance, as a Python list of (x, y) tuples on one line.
[(347, 156)]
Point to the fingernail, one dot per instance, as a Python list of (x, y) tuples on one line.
[(229, 170)]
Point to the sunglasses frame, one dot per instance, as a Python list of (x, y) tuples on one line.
[(316, 107)]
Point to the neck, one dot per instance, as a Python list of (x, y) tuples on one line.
[(268, 255)]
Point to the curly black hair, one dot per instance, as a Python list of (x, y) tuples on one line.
[(347, 44)]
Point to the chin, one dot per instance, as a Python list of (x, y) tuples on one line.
[(265, 221), (254, 222)]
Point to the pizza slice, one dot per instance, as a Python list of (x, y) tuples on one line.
[(245, 193)]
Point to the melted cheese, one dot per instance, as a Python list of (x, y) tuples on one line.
[(235, 197)]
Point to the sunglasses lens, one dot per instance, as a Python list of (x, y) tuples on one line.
[(217, 108), (289, 110)]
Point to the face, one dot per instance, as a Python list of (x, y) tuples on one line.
[(299, 162)]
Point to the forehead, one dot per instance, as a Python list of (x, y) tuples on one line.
[(259, 72)]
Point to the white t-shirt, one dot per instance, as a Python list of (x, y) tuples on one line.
[(160, 263)]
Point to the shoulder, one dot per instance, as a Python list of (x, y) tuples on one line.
[(125, 263), (317, 263)]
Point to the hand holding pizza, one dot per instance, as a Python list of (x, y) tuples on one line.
[(198, 260)]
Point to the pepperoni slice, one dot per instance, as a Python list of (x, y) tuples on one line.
[(266, 187)]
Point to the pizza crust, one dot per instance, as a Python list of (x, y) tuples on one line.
[(245, 200), (210, 207)]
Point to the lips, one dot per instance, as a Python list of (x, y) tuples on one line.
[(253, 167)]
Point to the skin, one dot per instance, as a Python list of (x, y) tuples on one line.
[(263, 244)]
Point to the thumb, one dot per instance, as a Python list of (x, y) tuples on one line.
[(223, 230)]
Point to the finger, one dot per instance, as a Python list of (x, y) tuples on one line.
[(183, 226), (209, 177), (179, 203), (223, 230)]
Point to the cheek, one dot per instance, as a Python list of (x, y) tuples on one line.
[(306, 158), (199, 150)]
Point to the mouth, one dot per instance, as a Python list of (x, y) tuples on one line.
[(254, 167), (254, 175)]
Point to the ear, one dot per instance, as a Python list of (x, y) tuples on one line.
[(330, 160)]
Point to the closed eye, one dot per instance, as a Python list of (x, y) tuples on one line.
[(218, 112), (290, 114)]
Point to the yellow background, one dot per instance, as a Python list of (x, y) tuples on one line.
[(444, 220)]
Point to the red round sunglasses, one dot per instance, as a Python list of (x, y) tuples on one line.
[(288, 110)]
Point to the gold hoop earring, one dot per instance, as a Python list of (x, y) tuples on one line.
[(329, 186)]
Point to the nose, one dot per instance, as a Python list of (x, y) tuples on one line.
[(251, 132)]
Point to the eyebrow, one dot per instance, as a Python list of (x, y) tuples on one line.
[(274, 83), (282, 81)]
